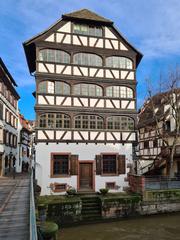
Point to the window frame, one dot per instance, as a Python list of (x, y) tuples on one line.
[(116, 171), (111, 63), (66, 56), (115, 123), (52, 175), (87, 121), (89, 64), (88, 86), (118, 89), (87, 33)]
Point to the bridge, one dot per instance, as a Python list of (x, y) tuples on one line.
[(17, 213)]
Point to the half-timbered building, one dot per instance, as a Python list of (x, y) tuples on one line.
[(85, 73), (158, 127), (8, 121)]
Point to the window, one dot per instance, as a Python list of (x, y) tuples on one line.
[(60, 164), (146, 144), (54, 87), (111, 185), (62, 88), (87, 30), (155, 143), (59, 187), (88, 122), (87, 90), (120, 123), (42, 121), (54, 120), (87, 59), (53, 55), (119, 92), (43, 87), (119, 62), (62, 121), (1, 111), (109, 164)]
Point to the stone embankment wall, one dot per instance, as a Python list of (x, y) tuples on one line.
[(67, 210)]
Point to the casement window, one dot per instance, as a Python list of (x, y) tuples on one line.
[(155, 143), (1, 111), (119, 92), (54, 87), (110, 185), (110, 164), (7, 138), (63, 164), (87, 59), (87, 30), (119, 62), (15, 103), (1, 87), (88, 122), (84, 89), (54, 55), (146, 144), (59, 187), (120, 123), (62, 88), (1, 135), (54, 120), (60, 164), (62, 121)]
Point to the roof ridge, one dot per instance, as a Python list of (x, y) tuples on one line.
[(87, 14)]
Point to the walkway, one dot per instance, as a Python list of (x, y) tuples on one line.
[(14, 208)]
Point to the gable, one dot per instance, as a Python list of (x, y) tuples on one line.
[(61, 32)]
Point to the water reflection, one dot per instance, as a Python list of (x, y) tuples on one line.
[(164, 227)]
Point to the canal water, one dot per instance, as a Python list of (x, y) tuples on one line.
[(161, 227)]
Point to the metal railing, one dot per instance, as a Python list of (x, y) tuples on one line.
[(161, 183), (33, 227)]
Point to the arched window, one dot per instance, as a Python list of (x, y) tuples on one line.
[(120, 123), (53, 55), (62, 88), (54, 120), (88, 122), (119, 92), (46, 87), (87, 59), (119, 62), (87, 89)]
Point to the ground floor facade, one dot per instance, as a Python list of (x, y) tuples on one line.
[(85, 167)]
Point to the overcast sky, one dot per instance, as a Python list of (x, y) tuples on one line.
[(152, 26)]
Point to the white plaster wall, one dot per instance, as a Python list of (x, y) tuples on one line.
[(85, 152)]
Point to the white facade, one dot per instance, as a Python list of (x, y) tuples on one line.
[(85, 152)]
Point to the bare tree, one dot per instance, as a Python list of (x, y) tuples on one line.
[(168, 107)]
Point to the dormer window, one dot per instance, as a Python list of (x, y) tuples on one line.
[(87, 30)]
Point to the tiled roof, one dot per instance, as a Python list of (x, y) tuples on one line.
[(146, 114), (85, 14)]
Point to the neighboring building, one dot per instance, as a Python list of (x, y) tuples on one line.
[(25, 131), (86, 114), (156, 126), (8, 120)]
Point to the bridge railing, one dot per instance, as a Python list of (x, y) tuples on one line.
[(33, 227)]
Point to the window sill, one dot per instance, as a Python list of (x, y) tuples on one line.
[(60, 176)]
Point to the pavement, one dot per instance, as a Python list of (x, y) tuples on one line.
[(14, 207)]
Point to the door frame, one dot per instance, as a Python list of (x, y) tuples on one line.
[(93, 174)]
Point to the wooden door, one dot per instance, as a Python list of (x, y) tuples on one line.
[(86, 176)]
